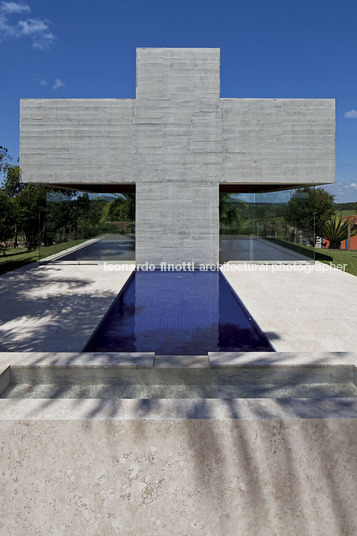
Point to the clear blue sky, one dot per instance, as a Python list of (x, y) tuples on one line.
[(275, 48)]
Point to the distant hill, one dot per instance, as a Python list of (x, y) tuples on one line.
[(347, 206)]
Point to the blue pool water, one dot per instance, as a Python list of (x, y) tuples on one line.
[(184, 313)]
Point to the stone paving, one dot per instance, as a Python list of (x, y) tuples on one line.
[(301, 308), (52, 308)]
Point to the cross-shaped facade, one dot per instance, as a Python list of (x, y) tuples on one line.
[(177, 144)]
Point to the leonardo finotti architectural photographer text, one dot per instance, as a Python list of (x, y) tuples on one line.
[(228, 267)]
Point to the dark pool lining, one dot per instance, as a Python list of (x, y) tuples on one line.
[(235, 296), (247, 312), (107, 313)]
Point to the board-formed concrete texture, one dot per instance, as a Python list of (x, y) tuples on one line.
[(177, 141)]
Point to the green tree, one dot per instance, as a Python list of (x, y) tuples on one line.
[(60, 216), (234, 215), (12, 185), (32, 208), (308, 210), (121, 208), (4, 157), (7, 220)]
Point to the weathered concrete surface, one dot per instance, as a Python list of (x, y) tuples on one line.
[(56, 134), (178, 128), (54, 308), (132, 468), (177, 141), (301, 308), (278, 141)]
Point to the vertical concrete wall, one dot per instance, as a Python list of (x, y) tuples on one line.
[(178, 155), (177, 225)]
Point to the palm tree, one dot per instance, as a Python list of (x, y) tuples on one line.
[(337, 229)]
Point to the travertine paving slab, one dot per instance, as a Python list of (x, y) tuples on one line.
[(300, 308), (298, 359), (187, 476), (52, 308)]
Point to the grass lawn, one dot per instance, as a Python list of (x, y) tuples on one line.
[(327, 256), (15, 258), (346, 212), (339, 256)]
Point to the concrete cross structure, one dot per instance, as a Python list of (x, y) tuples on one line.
[(177, 144)]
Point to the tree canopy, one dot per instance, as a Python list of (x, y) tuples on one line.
[(7, 219), (309, 209)]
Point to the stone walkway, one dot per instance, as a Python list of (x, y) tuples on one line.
[(55, 308), (51, 308), (301, 308)]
